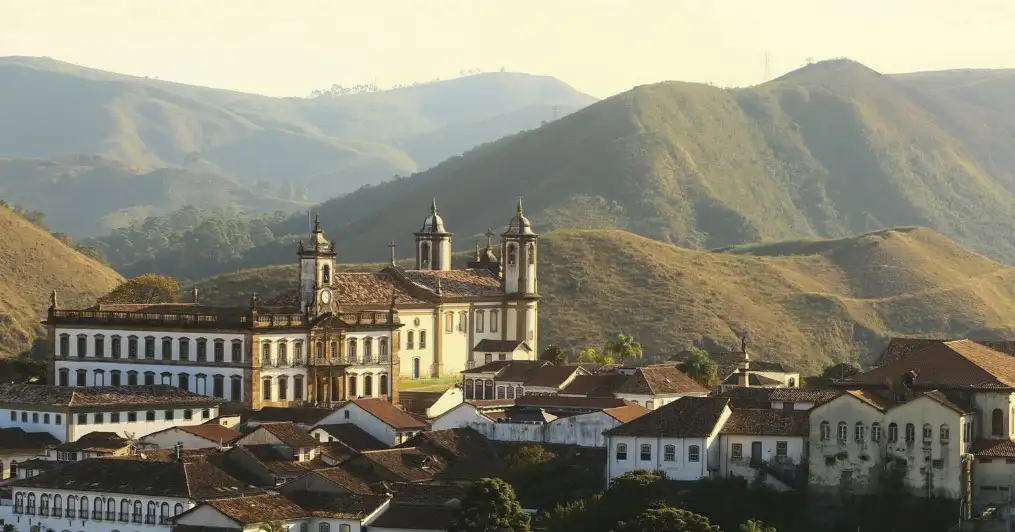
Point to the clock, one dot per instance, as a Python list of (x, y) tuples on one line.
[(325, 296)]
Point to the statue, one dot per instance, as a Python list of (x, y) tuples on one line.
[(52, 300)]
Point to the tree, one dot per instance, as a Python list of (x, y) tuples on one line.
[(554, 355), (667, 519), (753, 525), (591, 356), (146, 289), (623, 346), (842, 370), (490, 506), (700, 367), (8, 527), (273, 526)]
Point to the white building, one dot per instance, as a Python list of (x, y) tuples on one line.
[(18, 447), (387, 423), (765, 444), (207, 436), (335, 336), (68, 413), (295, 511)]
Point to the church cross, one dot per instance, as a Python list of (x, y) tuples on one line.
[(489, 238)]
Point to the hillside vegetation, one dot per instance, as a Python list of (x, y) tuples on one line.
[(218, 140), (32, 264), (806, 303), (830, 150)]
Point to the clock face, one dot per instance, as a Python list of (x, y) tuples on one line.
[(326, 296)]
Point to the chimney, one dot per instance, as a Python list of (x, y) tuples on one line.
[(179, 450)]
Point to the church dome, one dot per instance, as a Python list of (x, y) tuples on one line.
[(433, 223), (519, 224)]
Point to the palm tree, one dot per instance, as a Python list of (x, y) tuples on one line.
[(272, 526), (623, 347)]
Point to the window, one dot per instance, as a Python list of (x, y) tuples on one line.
[(178, 509), (137, 511), (205, 414), (114, 378), (303, 527), (944, 432), (876, 432), (266, 354), (82, 345), (530, 250), (283, 388), (494, 320), (14, 416), (202, 350), (236, 388), (408, 340), (737, 452), (97, 504), (44, 504), (462, 321), (352, 355), (368, 385), (82, 419), (669, 453), (449, 322), (131, 378), (843, 431), (45, 418), (218, 386), (149, 415), (132, 417), (512, 255), (266, 389), (163, 512), (928, 432), (149, 347), (997, 422), (334, 350), (114, 417), (480, 320), (352, 386), (188, 414), (149, 378), (782, 449), (344, 528), (183, 381), (502, 356), (383, 385), (621, 451), (859, 432), (82, 375), (100, 345), (422, 339), (283, 354), (646, 452), (382, 349), (237, 355), (368, 350), (220, 350), (132, 347), (64, 345), (298, 387), (24, 417), (99, 377), (168, 415), (97, 419), (298, 353), (693, 453), (64, 377), (31, 504), (184, 349), (910, 433), (201, 384), (35, 417), (424, 259), (115, 345)]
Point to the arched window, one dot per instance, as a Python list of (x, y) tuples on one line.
[(83, 508), (150, 513), (945, 433), (324, 527), (266, 389), (283, 353), (97, 505), (693, 453), (910, 433), (164, 512), (352, 350), (510, 392), (137, 511), (928, 432), (124, 509), (382, 349), (997, 422), (57, 506), (531, 250), (178, 509), (44, 504), (826, 430), (110, 509), (876, 432), (30, 510), (368, 350), (645, 452), (859, 432), (344, 528), (19, 503), (512, 255), (383, 385), (669, 453), (319, 351), (368, 385), (494, 320), (334, 350), (621, 451), (843, 431), (424, 259), (326, 275), (283, 388), (352, 386)]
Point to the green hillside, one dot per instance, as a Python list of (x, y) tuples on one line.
[(326, 145), (826, 151), (806, 303)]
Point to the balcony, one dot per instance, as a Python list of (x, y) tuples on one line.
[(149, 519), (124, 517), (19, 508), (57, 512), (97, 515), (71, 513), (110, 516), (137, 518)]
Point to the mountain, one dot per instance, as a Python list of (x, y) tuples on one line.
[(829, 150), (34, 263), (329, 144), (806, 302)]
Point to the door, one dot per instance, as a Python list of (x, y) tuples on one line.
[(415, 368), (756, 457)]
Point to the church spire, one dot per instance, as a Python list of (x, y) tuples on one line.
[(317, 223), (520, 205), (433, 206)]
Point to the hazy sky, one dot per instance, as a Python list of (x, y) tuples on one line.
[(289, 47)]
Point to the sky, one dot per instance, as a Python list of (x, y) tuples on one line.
[(602, 47)]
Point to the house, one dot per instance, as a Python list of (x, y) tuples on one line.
[(384, 421), (428, 405), (192, 437), (303, 511), (467, 455), (68, 413), (342, 441), (92, 445), (658, 385), (681, 439), (499, 350), (292, 442), (102, 493), (768, 444), (304, 417), (18, 447), (738, 368), (508, 379)]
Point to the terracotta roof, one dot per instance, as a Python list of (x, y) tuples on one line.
[(747, 397), (501, 346), (290, 434), (352, 436), (509, 370), (96, 442), (551, 402), (346, 479), (626, 413), (476, 282), (191, 479), (338, 505), (407, 463), (169, 455), (389, 414), (258, 508), (415, 517), (302, 415), (140, 396), (993, 448), (804, 395), (601, 385), (728, 362), (372, 289), (874, 398), (659, 379), (426, 494), (417, 402), (901, 348), (949, 402), (468, 455), (753, 379), (551, 376), (687, 417), (213, 433), (168, 308), (960, 364), (337, 451), (16, 439), (767, 422), (277, 463)]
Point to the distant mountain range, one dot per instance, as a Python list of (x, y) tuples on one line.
[(80, 129)]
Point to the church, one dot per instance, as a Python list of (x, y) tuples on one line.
[(335, 336)]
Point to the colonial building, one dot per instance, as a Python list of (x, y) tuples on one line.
[(335, 336)]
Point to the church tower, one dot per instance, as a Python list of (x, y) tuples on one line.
[(433, 243), (518, 280), (317, 267)]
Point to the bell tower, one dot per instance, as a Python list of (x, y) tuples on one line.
[(433, 243), (317, 268), (518, 280)]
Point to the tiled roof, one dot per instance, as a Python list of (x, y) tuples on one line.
[(551, 402), (728, 362), (277, 463), (389, 414), (290, 434), (407, 463), (337, 451), (478, 282), (626, 413), (96, 442), (601, 385), (372, 289), (804, 395), (192, 479), (960, 364), (426, 494), (418, 402), (346, 479), (214, 433), (258, 508), (16, 439), (766, 422), (400, 516), (501, 346), (949, 402), (468, 454), (352, 436), (753, 379), (509, 370), (874, 398), (551, 376), (993, 448), (747, 397), (169, 308), (303, 415), (141, 396), (659, 379), (337, 505), (687, 417), (901, 348)]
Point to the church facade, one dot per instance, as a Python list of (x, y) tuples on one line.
[(335, 336)]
